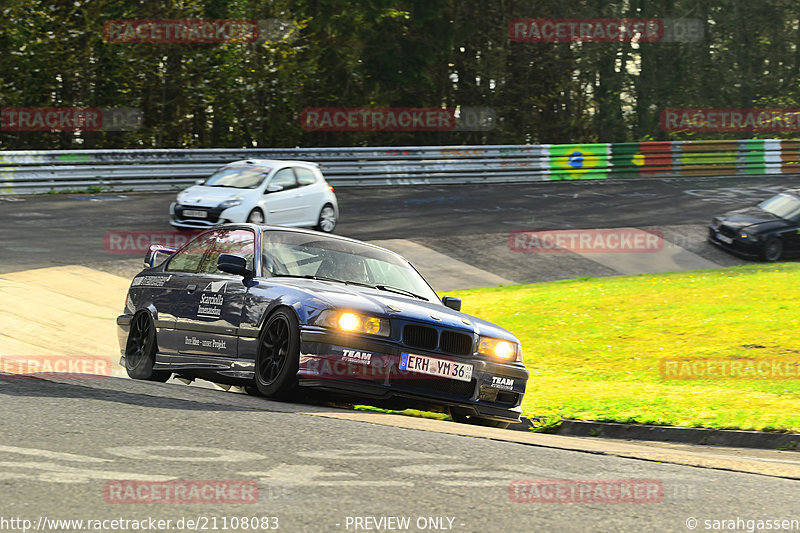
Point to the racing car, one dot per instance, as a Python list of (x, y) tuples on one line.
[(768, 231), (279, 310)]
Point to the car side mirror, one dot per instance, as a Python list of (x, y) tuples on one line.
[(274, 188), (199, 181), (233, 264), (157, 254), (452, 302)]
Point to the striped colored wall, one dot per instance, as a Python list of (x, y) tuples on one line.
[(35, 171), (673, 158)]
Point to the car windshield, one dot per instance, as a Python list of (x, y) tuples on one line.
[(292, 254), (783, 206), (239, 178)]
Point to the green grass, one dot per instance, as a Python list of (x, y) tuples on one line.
[(594, 346), (407, 412)]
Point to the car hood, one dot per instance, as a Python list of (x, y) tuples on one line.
[(377, 302), (751, 218), (203, 196)]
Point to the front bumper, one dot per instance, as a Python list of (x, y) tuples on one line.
[(736, 246), (123, 330), (371, 368), (213, 216)]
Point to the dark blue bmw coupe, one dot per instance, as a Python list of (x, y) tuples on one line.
[(276, 309)]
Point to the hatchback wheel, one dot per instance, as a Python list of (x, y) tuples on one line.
[(256, 216), (327, 219)]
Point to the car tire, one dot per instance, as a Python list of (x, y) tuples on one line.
[(256, 216), (462, 418), (327, 219), (772, 250), (278, 356), (140, 350)]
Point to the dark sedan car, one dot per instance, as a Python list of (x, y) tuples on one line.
[(768, 231), (276, 309)]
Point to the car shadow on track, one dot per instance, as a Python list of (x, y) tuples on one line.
[(40, 388), (159, 395)]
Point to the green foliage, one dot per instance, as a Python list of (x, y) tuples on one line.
[(390, 53)]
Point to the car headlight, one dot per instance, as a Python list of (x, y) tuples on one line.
[(350, 322), (748, 236), (231, 202), (500, 349)]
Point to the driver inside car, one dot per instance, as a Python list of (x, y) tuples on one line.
[(351, 268)]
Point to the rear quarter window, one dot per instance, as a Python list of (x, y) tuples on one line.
[(305, 176)]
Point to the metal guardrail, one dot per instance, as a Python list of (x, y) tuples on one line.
[(23, 172)]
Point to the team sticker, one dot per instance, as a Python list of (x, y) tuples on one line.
[(218, 344), (150, 281), (211, 304)]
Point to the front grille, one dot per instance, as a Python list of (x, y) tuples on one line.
[(452, 387), (212, 213), (727, 231), (455, 343), (421, 337)]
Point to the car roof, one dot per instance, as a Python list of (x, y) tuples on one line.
[(271, 163), (262, 229)]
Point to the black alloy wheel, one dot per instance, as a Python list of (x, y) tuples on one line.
[(140, 350)]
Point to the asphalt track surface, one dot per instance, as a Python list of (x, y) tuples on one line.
[(64, 442), (468, 222), (319, 469)]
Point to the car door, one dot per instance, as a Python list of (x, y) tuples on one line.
[(791, 240), (283, 206), (171, 300), (208, 319), (311, 196)]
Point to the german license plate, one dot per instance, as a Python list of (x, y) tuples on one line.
[(194, 213), (433, 366), (723, 238)]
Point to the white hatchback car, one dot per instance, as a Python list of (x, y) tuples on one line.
[(262, 191)]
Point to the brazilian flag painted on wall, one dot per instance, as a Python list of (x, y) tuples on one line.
[(579, 161)]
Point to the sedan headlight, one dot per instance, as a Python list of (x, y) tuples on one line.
[(231, 202), (350, 322), (500, 349), (748, 236)]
